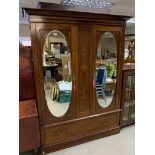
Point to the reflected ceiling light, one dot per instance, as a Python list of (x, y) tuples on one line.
[(131, 20), (55, 34), (88, 3)]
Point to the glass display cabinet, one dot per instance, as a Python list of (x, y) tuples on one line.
[(78, 73), (128, 96)]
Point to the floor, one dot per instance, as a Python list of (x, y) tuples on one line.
[(119, 144), (104, 103), (56, 108)]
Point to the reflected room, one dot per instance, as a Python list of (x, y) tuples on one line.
[(57, 73), (106, 69)]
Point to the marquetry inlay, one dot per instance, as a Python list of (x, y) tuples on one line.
[(84, 68), (84, 71)]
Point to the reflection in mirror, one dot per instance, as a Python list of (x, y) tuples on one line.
[(57, 73), (106, 69)]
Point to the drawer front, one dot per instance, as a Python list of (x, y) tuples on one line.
[(60, 133)]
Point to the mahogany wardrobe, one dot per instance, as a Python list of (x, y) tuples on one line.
[(78, 58)]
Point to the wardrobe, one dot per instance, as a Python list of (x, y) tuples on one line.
[(78, 78)]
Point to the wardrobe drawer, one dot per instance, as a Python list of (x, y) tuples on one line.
[(79, 128)]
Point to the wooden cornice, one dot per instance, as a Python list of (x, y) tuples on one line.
[(78, 14)]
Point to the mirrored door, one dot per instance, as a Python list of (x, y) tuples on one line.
[(106, 69), (107, 64), (55, 75)]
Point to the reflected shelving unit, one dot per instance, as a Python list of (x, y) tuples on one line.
[(128, 95)]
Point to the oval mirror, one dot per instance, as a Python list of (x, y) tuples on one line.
[(106, 69), (57, 73)]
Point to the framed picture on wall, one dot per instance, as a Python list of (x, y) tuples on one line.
[(129, 55), (128, 38)]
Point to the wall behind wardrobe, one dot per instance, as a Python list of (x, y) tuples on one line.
[(24, 31)]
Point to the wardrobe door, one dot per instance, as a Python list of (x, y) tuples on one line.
[(107, 68), (54, 64)]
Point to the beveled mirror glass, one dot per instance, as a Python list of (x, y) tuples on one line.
[(106, 69), (57, 73)]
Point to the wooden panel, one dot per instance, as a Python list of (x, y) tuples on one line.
[(68, 131), (26, 87), (84, 50), (26, 78), (25, 59), (29, 136), (27, 108)]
